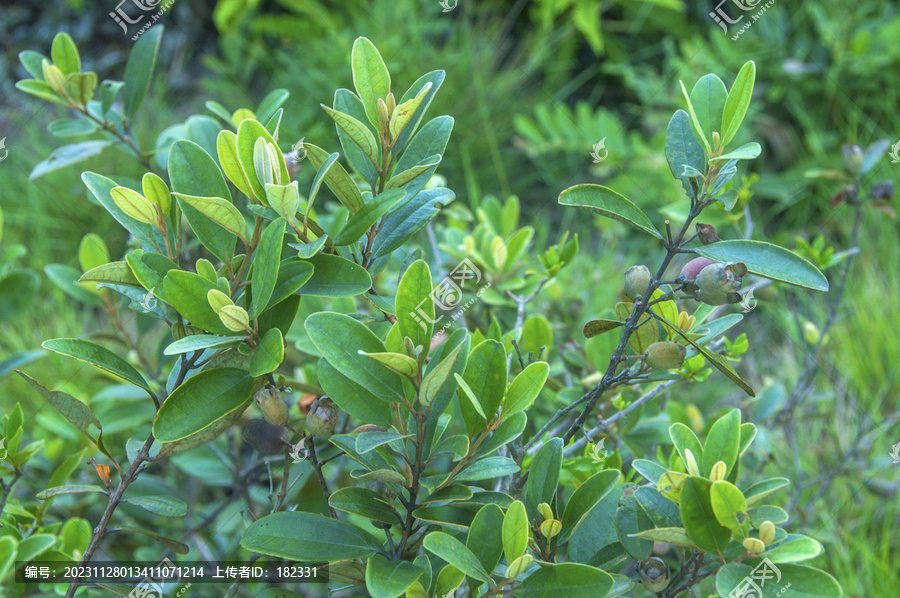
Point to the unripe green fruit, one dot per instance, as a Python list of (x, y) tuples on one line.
[(717, 284), (665, 355), (637, 281), (273, 407), (654, 574), (264, 437), (694, 267), (322, 418)]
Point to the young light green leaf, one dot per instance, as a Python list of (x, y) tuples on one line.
[(415, 306), (525, 388), (198, 342), (455, 552), (220, 211), (404, 177), (266, 262), (336, 179), (473, 400), (435, 78), (135, 205), (515, 531), (708, 99), (698, 516), (405, 111), (226, 148), (722, 442), (349, 103), (730, 508), (268, 355), (402, 364), (748, 151), (65, 54), (769, 261), (698, 130), (438, 377), (249, 131), (113, 273), (370, 77), (738, 101), (607, 202), (157, 192), (284, 199), (357, 131)]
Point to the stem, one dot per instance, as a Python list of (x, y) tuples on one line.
[(414, 487), (7, 490), (314, 461)]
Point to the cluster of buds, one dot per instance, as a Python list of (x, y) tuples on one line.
[(234, 317), (551, 526), (757, 546)]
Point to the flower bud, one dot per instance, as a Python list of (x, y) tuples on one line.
[(637, 280), (691, 463), (717, 284), (717, 473), (853, 158), (207, 270), (273, 407), (383, 113), (811, 333), (550, 528), (754, 545), (390, 102), (707, 233), (665, 355), (53, 76), (235, 318), (654, 574), (767, 532), (322, 418), (264, 437), (545, 510), (519, 566)]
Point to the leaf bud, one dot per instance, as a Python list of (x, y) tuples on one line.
[(754, 545), (810, 333), (707, 233), (691, 463), (53, 75), (545, 510), (550, 528), (717, 474), (217, 300), (519, 566), (235, 318), (853, 158), (767, 532)]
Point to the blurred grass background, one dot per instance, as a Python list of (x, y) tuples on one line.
[(533, 86)]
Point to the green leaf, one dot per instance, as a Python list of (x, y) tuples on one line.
[(698, 516), (718, 361), (101, 188), (77, 413), (436, 380), (515, 531), (365, 503), (173, 545), (349, 103), (135, 205), (389, 579), (200, 401), (339, 338), (722, 442), (630, 520), (525, 388), (186, 292), (67, 155), (335, 276), (435, 78), (284, 199), (293, 273), (572, 580), (483, 539), (301, 536), (18, 289), (98, 356), (220, 211), (368, 441), (201, 438), (64, 54), (708, 99), (362, 220), (598, 327), (357, 131), (198, 342), (429, 142), (455, 553), (226, 149), (794, 549), (683, 149), (167, 506), (738, 101), (139, 70), (321, 173), (485, 375), (730, 508), (768, 261), (271, 103), (467, 392), (415, 306), (607, 202), (34, 545), (405, 110), (402, 364), (487, 469), (70, 489), (698, 130), (806, 582), (266, 262), (193, 172), (336, 179), (405, 176), (249, 131), (353, 397), (669, 535), (660, 509), (684, 438), (268, 355), (748, 151), (543, 475), (760, 490), (404, 222), (370, 77), (585, 498)]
